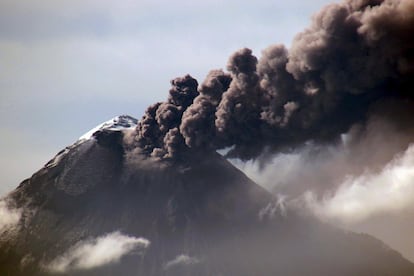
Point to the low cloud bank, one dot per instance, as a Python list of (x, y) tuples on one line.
[(389, 191), (96, 252), (9, 217)]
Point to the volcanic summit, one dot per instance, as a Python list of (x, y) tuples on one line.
[(96, 210)]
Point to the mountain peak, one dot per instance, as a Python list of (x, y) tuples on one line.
[(117, 123), (199, 216), (100, 132)]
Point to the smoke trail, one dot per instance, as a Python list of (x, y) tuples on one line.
[(354, 56)]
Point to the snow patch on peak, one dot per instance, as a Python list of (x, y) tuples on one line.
[(118, 123)]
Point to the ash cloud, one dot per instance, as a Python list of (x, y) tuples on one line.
[(157, 132), (336, 105), (354, 55)]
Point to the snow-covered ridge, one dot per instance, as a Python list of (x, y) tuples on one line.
[(118, 123)]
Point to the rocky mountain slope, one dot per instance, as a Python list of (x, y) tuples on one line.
[(99, 209)]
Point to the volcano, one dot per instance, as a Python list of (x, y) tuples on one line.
[(97, 208)]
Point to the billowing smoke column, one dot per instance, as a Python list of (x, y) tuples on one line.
[(158, 131), (355, 55)]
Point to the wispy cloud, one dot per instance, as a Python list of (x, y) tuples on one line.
[(97, 252), (278, 207), (389, 191), (9, 217), (181, 260)]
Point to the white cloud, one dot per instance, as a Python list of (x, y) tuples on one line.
[(389, 191), (8, 217), (97, 252), (181, 260)]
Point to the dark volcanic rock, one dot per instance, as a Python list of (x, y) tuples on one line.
[(202, 216)]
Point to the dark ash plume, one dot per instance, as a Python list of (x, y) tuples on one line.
[(198, 122), (354, 56), (157, 133), (238, 114)]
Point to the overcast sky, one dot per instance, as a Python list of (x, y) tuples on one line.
[(66, 66)]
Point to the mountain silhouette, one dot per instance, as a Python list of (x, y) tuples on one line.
[(196, 216)]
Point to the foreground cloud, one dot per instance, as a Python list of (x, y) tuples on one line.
[(8, 216), (181, 260), (97, 252), (389, 191)]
